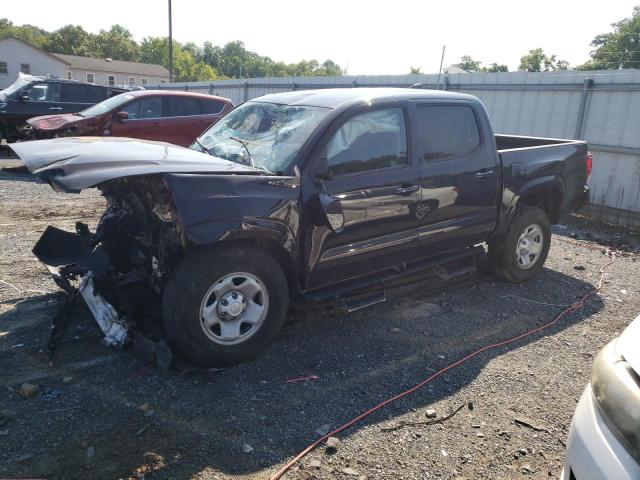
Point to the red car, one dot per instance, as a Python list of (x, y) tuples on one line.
[(168, 116)]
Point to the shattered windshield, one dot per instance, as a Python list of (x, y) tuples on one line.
[(107, 105), (264, 135)]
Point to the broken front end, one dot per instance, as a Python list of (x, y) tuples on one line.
[(119, 270)]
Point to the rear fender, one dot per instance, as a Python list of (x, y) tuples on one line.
[(512, 199)]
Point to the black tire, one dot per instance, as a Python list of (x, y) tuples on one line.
[(185, 293), (503, 258)]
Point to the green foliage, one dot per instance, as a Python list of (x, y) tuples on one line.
[(117, 43), (190, 61), (495, 67), (414, 70), (538, 61), (617, 49), (28, 33), (469, 64), (71, 40)]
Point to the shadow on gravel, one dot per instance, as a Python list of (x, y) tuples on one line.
[(17, 174), (122, 419)]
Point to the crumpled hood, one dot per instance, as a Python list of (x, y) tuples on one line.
[(53, 122), (628, 344), (72, 164)]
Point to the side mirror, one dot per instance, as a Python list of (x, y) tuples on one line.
[(333, 212), (122, 116), (24, 96)]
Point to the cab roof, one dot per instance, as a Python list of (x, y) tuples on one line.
[(334, 97)]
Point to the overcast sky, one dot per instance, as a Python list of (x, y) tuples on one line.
[(366, 37)]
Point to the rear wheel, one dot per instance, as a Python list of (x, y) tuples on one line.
[(224, 306), (519, 254)]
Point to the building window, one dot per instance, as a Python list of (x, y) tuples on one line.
[(163, 81), (112, 79), (3, 67), (90, 77), (69, 75), (132, 80), (25, 68), (144, 81)]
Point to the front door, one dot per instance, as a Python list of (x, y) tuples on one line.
[(370, 172), (145, 120)]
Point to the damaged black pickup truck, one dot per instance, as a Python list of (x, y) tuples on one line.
[(295, 197)]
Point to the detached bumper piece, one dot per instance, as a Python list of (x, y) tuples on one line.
[(72, 256), (115, 331)]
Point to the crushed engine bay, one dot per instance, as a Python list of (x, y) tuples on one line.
[(120, 269)]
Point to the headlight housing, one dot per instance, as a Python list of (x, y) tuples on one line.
[(616, 390)]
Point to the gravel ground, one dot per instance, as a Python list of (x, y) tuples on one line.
[(104, 413)]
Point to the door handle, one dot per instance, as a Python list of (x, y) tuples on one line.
[(406, 189), (484, 175), (55, 108)]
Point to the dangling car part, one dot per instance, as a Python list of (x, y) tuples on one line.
[(299, 196)]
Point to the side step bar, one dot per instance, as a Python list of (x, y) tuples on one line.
[(348, 287)]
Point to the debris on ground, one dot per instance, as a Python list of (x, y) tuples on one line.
[(527, 422), (333, 443), (430, 413), (246, 448), (28, 390)]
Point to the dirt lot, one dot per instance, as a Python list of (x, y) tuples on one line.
[(104, 413)]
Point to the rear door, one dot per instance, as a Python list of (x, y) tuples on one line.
[(79, 96), (186, 119), (459, 163), (145, 120), (370, 172)]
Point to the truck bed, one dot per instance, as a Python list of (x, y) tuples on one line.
[(527, 160), (513, 142)]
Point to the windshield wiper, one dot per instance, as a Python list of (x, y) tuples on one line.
[(244, 144), (201, 145)]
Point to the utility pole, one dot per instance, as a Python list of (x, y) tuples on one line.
[(439, 71), (170, 47)]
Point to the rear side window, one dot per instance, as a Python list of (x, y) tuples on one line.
[(183, 106), (369, 141), (446, 131), (211, 107), (44, 92), (82, 93)]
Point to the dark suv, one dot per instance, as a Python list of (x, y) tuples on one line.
[(31, 96)]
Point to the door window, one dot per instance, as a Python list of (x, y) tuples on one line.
[(182, 106), (211, 107), (447, 131), (83, 93), (44, 92), (150, 107), (369, 141)]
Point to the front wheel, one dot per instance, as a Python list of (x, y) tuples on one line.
[(519, 254), (224, 306)]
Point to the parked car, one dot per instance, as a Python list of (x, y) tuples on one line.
[(604, 439), (30, 96), (302, 196), (169, 116)]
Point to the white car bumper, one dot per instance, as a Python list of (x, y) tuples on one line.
[(593, 452)]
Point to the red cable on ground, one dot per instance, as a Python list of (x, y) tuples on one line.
[(572, 307)]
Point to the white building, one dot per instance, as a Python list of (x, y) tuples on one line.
[(18, 56)]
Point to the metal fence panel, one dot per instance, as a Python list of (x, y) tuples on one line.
[(604, 109)]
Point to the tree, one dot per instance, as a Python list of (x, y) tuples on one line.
[(414, 70), (185, 66), (538, 61), (32, 35), (72, 40), (117, 43), (494, 67), (617, 49), (469, 64)]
